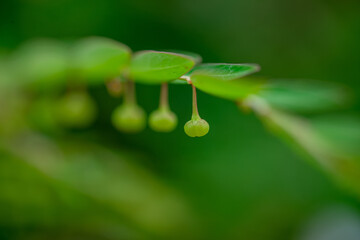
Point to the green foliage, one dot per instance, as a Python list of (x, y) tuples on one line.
[(231, 90), (195, 57), (93, 185), (225, 71), (304, 96), (43, 115), (6, 78), (239, 182), (48, 63), (40, 63), (340, 132), (156, 67), (96, 59), (329, 142), (13, 112), (225, 80)]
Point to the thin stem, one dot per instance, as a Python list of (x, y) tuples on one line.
[(195, 113), (130, 96), (164, 96)]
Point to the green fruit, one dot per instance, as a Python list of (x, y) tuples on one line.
[(76, 109), (129, 118), (196, 128), (163, 120)]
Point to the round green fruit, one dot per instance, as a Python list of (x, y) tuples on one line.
[(129, 118), (162, 120), (196, 128), (76, 109)]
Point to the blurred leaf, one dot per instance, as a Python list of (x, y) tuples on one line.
[(6, 78), (42, 115), (303, 96), (225, 71), (31, 198), (220, 87), (314, 141), (41, 63), (156, 67), (13, 111), (341, 131), (196, 57), (112, 180), (97, 59)]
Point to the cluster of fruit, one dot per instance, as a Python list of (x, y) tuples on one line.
[(48, 65), (78, 109)]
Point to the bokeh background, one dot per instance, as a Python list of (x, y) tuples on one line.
[(238, 182)]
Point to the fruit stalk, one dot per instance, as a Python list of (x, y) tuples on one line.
[(195, 113), (130, 96), (164, 97)]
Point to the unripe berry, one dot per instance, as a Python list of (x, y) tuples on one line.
[(129, 118), (76, 109), (196, 128), (163, 120)]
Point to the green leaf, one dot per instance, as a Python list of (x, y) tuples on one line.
[(304, 96), (222, 80), (340, 131), (156, 67), (232, 90), (41, 62), (322, 141), (225, 71), (196, 57), (97, 59)]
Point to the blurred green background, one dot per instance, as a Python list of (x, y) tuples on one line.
[(238, 182)]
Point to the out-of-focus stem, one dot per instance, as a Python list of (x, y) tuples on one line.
[(164, 96), (130, 96)]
